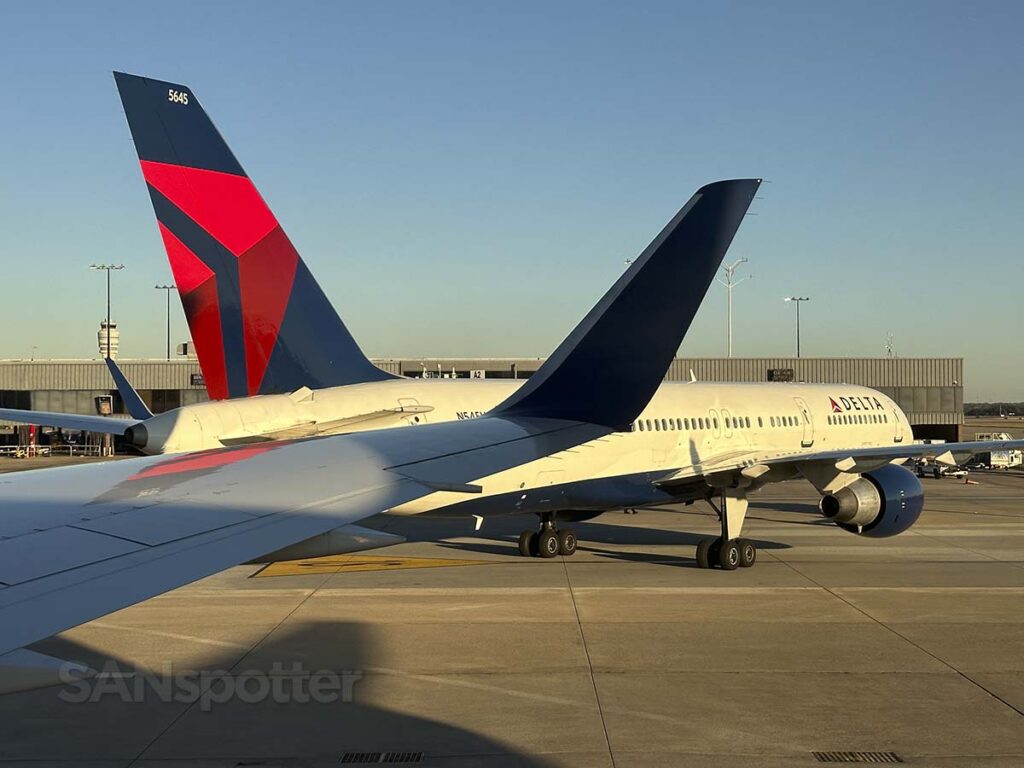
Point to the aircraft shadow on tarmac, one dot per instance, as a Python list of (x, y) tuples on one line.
[(267, 729)]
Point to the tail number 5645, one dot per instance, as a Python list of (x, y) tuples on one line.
[(178, 97)]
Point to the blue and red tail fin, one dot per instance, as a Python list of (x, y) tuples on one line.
[(259, 321)]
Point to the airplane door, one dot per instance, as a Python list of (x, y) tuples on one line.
[(807, 420), (897, 427), (726, 423)]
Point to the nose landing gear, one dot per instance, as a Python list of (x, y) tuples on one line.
[(548, 541)]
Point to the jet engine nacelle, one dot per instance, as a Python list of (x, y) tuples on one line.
[(881, 503)]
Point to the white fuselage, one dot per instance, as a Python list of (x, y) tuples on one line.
[(686, 424), (699, 425)]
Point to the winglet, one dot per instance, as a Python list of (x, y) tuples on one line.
[(609, 367), (136, 408)]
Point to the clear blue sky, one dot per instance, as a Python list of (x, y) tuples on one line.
[(467, 178)]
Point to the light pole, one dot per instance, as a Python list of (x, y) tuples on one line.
[(168, 289), (107, 268), (797, 300), (729, 283)]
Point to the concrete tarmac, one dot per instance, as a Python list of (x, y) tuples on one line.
[(624, 655)]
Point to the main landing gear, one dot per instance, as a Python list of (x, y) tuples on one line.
[(728, 552), (548, 541)]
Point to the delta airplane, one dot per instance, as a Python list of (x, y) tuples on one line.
[(77, 543), (284, 371)]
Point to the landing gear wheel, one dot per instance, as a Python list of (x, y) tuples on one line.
[(526, 548), (567, 543), (704, 553), (547, 543), (748, 552), (728, 556), (713, 549)]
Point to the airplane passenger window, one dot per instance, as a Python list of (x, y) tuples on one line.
[(640, 423), (679, 424), (715, 422), (772, 420), (760, 422), (648, 425), (686, 424), (664, 426), (747, 420), (701, 423), (657, 426)]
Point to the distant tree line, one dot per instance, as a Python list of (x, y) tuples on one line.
[(992, 409)]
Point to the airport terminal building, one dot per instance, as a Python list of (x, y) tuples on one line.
[(929, 390)]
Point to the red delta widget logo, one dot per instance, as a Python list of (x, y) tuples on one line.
[(855, 403)]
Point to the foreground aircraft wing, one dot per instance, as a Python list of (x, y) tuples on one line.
[(77, 543), (111, 425)]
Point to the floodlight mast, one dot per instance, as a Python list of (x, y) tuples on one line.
[(730, 283), (107, 268), (168, 289), (796, 300)]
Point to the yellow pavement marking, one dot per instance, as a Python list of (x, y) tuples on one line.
[(357, 564)]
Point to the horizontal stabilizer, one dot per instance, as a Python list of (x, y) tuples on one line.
[(608, 368), (108, 425)]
